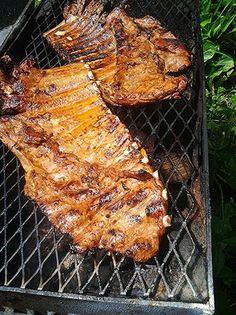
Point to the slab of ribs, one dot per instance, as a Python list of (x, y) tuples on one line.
[(132, 58), (82, 167)]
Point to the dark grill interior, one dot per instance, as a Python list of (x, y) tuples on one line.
[(33, 255)]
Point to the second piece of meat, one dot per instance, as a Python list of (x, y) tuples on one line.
[(130, 58)]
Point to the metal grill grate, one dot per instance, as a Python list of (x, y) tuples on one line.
[(35, 256), (11, 311)]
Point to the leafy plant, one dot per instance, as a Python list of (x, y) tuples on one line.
[(219, 39), (219, 43), (36, 3)]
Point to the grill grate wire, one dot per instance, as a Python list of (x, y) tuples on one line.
[(34, 255)]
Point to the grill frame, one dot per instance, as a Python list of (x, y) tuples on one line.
[(35, 299)]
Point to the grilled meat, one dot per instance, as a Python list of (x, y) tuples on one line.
[(130, 58), (81, 165), (140, 75), (168, 47)]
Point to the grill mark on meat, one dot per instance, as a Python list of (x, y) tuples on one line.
[(104, 50), (98, 64), (136, 247), (140, 196), (115, 207), (154, 209), (32, 136), (141, 174), (134, 219), (124, 186), (104, 199), (117, 236), (121, 139), (90, 37), (92, 58), (76, 34), (112, 125), (91, 46), (173, 44)]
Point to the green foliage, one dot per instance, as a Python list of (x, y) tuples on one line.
[(219, 39), (222, 226), (217, 17), (36, 3), (218, 23)]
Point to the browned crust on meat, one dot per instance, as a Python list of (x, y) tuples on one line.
[(81, 164), (168, 47), (130, 58)]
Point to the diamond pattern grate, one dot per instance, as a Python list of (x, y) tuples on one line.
[(33, 255)]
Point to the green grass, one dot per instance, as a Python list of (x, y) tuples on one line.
[(219, 41)]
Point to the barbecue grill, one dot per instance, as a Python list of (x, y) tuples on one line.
[(38, 268)]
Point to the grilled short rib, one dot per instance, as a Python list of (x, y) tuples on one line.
[(81, 165), (131, 58)]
